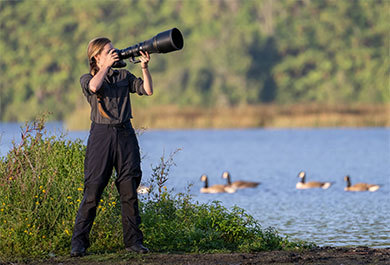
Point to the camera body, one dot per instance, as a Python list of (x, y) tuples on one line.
[(164, 42)]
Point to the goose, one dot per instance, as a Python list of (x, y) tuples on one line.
[(143, 189), (215, 188), (311, 184), (239, 184), (360, 186)]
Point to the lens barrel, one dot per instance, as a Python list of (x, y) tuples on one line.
[(164, 42)]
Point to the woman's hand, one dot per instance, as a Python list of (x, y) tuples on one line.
[(106, 60), (145, 58)]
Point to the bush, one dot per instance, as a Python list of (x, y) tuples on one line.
[(41, 185)]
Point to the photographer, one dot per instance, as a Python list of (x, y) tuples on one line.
[(112, 143)]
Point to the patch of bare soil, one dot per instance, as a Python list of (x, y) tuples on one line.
[(324, 255)]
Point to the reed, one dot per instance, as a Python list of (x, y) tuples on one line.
[(250, 116)]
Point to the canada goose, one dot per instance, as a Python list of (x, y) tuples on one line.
[(239, 184), (143, 189), (360, 186), (311, 184), (215, 188)]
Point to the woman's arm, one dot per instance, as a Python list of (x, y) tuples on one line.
[(97, 80), (148, 84), (104, 65)]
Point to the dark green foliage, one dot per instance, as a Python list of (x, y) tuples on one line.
[(41, 185), (177, 224), (236, 52)]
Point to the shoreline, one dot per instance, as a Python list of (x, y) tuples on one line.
[(319, 255), (251, 116)]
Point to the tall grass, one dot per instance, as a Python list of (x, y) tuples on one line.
[(41, 185)]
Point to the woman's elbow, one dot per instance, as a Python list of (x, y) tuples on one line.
[(148, 90), (92, 89), (149, 93)]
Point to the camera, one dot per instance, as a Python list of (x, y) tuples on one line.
[(164, 42)]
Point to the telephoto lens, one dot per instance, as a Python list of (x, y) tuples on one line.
[(164, 42)]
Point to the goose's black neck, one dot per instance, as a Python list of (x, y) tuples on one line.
[(348, 182), (303, 179), (206, 183), (229, 180)]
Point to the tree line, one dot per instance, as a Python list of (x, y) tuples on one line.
[(235, 52)]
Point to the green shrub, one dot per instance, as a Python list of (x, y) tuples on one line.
[(41, 185), (175, 223)]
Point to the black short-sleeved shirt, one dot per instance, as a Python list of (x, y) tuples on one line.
[(115, 94)]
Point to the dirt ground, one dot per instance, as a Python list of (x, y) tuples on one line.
[(324, 255)]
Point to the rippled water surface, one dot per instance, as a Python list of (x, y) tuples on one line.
[(330, 217)]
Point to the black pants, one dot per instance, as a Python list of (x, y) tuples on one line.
[(110, 146)]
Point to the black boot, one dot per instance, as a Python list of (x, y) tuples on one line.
[(138, 248), (78, 252)]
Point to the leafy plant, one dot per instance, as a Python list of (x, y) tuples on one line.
[(41, 185)]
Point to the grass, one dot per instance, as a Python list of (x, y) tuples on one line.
[(41, 185), (269, 116)]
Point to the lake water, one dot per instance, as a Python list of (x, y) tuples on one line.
[(274, 157)]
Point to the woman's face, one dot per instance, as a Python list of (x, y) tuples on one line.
[(102, 56)]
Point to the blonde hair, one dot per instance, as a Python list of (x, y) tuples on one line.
[(95, 47)]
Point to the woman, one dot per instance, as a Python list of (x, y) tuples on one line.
[(111, 143)]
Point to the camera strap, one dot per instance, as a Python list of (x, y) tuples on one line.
[(100, 107)]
